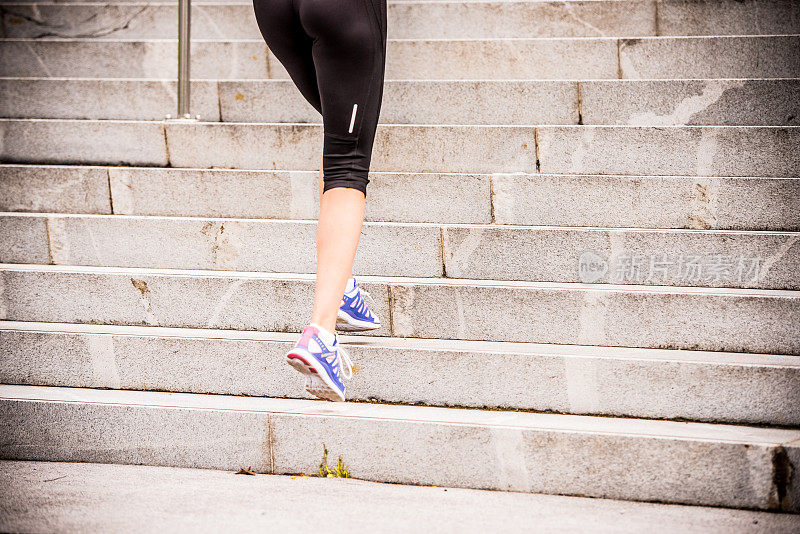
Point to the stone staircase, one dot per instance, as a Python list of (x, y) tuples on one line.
[(582, 238)]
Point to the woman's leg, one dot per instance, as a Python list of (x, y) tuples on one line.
[(340, 217), (335, 53), (349, 52)]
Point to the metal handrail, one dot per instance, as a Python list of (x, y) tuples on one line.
[(184, 46), (184, 42)]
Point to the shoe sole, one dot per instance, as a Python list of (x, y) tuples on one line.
[(345, 323), (323, 386), (317, 387)]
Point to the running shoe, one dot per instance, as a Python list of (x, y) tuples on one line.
[(321, 364), (354, 315)]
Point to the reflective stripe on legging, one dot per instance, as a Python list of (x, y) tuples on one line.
[(335, 52)]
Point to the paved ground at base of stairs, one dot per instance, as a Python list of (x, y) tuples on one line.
[(62, 497)]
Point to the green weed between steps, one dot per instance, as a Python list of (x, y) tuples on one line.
[(340, 471)]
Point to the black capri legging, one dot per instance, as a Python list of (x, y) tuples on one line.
[(335, 52)]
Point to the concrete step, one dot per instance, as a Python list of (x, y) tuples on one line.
[(703, 258), (235, 193), (421, 20), (611, 201), (712, 386), (689, 463), (771, 56), (633, 102), (731, 320), (85, 497), (646, 201), (406, 20), (669, 150)]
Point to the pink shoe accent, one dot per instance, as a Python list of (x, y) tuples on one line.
[(308, 333)]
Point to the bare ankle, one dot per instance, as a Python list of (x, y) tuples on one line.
[(328, 323)]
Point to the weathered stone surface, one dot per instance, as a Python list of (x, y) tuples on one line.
[(735, 17), (226, 20), (628, 256), (101, 58), (670, 150), (658, 317), (689, 463), (520, 19), (134, 434), (428, 197), (244, 301), (406, 59), (513, 59), (245, 146), (647, 201), (736, 320), (415, 102), (791, 501), (521, 459), (406, 20), (59, 98), (23, 240), (710, 57), (625, 102), (697, 102), (97, 497), (54, 189), (81, 142), (217, 244), (470, 85), (298, 146), (587, 58), (714, 386)]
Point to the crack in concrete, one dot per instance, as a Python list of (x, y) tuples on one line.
[(782, 473), (200, 10), (401, 303), (166, 143), (55, 32), (777, 255), (225, 248), (704, 203), (442, 240), (3, 298), (110, 198), (59, 241), (217, 311), (38, 58), (144, 299), (568, 10)]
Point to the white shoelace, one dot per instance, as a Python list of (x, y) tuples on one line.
[(363, 304), (344, 357)]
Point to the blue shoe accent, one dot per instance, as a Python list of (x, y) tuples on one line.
[(322, 364), (354, 314)]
